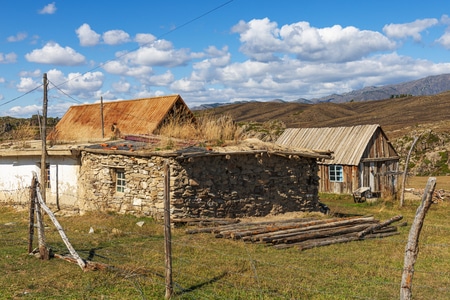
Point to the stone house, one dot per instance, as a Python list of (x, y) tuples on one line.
[(256, 180)]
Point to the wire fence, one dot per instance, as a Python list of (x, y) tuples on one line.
[(205, 267)]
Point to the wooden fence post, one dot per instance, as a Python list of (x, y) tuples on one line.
[(167, 232), (31, 218), (405, 173), (412, 247)]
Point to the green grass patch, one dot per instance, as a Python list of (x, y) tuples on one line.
[(205, 267)]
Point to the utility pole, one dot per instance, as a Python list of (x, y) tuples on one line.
[(101, 113), (44, 141)]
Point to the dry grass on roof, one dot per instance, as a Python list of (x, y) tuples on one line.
[(141, 116)]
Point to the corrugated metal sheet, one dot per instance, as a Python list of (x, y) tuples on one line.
[(141, 116), (347, 143)]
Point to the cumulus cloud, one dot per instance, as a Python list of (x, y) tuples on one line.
[(18, 37), (262, 40), (144, 38), (49, 9), (184, 85), (122, 86), (23, 111), (35, 73), (120, 67), (53, 53), (82, 85), (8, 58), (444, 40), (87, 36), (115, 37), (413, 29), (159, 53), (164, 79), (26, 84)]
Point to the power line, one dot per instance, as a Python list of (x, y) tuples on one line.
[(148, 43), (125, 54), (23, 95), (57, 87)]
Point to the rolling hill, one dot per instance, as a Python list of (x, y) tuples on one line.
[(397, 116)]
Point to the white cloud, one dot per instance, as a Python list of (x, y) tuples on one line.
[(49, 9), (35, 73), (20, 36), (444, 40), (115, 37), (144, 38), (412, 29), (76, 84), (162, 80), (159, 53), (24, 111), (122, 86), (8, 58), (289, 78), (53, 53), (184, 85), (262, 40), (27, 84), (120, 67), (87, 36)]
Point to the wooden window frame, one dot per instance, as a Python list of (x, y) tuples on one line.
[(119, 180), (336, 173)]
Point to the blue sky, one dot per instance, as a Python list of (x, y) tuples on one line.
[(213, 51)]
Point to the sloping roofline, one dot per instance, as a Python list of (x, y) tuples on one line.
[(347, 143), (140, 116)]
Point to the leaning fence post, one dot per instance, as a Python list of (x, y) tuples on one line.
[(44, 252), (405, 172), (412, 247), (167, 233)]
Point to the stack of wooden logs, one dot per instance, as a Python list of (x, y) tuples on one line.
[(304, 233)]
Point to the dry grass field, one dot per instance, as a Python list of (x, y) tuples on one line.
[(205, 267), (419, 182), (397, 116)]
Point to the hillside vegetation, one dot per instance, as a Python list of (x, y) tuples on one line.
[(401, 118)]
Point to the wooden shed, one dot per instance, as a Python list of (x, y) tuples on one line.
[(115, 119), (362, 157)]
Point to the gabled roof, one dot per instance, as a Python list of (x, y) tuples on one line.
[(346, 143), (141, 116)]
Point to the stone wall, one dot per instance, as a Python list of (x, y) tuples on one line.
[(228, 185)]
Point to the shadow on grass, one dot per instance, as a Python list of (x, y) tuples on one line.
[(200, 285)]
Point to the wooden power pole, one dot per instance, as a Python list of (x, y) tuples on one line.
[(101, 115), (44, 140)]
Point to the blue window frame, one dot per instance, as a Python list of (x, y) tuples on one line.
[(336, 173)]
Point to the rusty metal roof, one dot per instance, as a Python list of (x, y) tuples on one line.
[(346, 143), (141, 116)]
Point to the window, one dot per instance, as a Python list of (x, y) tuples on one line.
[(336, 174), (120, 181), (47, 169)]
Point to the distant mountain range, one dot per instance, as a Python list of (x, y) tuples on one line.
[(430, 85)]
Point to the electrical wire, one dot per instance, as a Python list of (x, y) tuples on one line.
[(123, 55), (23, 95)]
